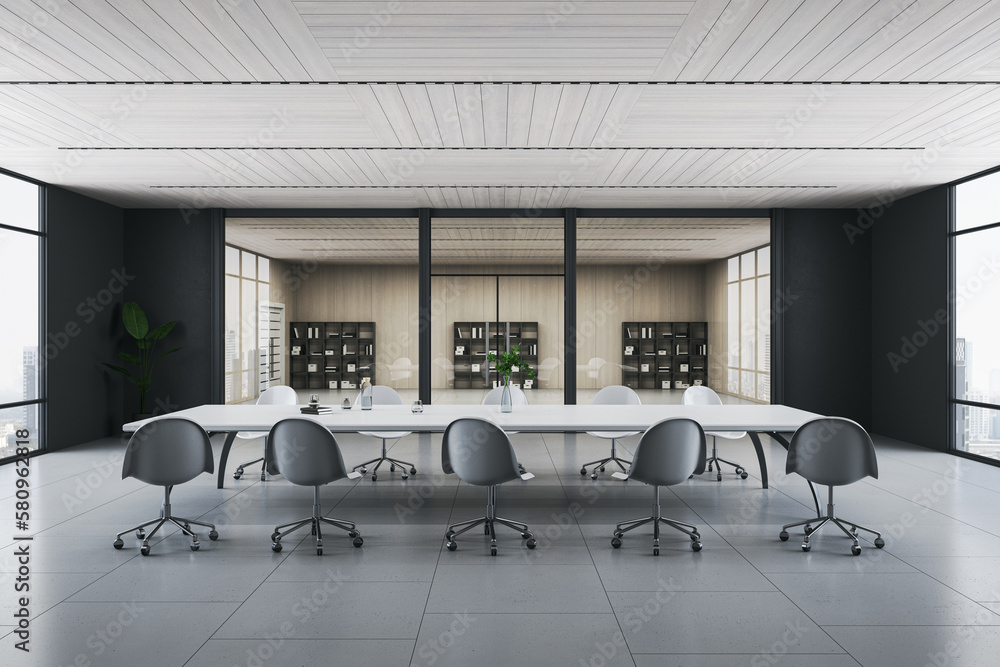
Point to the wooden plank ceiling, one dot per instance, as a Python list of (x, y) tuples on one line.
[(585, 103)]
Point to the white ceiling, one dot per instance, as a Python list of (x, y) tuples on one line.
[(584, 103)]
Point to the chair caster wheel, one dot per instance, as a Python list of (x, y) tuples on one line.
[(616, 542), (319, 551), (358, 541), (744, 474), (263, 476), (806, 546), (353, 533), (213, 535), (602, 468), (140, 534), (583, 471), (362, 470), (392, 468), (718, 477), (452, 545), (374, 476), (783, 536), (856, 550), (118, 544), (531, 544), (144, 549), (276, 547), (808, 529), (656, 551), (493, 551), (404, 476), (195, 546), (593, 476), (413, 471), (696, 546), (879, 542), (237, 475)]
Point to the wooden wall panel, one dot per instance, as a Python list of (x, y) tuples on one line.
[(716, 314)]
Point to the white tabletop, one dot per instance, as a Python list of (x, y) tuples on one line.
[(534, 418)]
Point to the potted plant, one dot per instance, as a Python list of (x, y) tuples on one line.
[(137, 326), (505, 364)]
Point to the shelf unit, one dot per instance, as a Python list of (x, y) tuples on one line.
[(331, 355), (473, 341), (664, 355), (273, 344)]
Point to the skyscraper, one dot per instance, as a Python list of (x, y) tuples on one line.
[(30, 387)]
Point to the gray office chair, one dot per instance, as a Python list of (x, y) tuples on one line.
[(307, 454), (165, 453), (382, 395), (517, 397), (833, 451), (668, 453), (705, 396), (613, 395), (480, 453), (276, 395)]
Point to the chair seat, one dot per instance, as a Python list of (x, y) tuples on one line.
[(730, 435), (612, 435), (388, 435)]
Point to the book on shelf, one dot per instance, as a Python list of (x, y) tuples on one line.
[(318, 410), (628, 332), (295, 332)]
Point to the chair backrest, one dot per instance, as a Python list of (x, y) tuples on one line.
[(669, 452), (168, 451), (305, 452), (382, 395), (832, 451), (517, 397), (279, 394), (616, 394), (700, 396), (479, 452)]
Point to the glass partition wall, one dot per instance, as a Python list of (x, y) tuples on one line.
[(496, 283), (654, 304), (341, 303)]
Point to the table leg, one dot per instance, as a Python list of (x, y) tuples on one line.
[(230, 437), (755, 437), (784, 443)]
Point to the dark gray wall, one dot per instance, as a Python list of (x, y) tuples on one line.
[(824, 299), (86, 279), (178, 255), (910, 287)]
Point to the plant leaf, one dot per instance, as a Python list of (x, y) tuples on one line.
[(130, 358), (135, 320), (161, 331), (176, 349), (119, 369)]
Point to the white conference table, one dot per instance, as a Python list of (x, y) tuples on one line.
[(754, 419)]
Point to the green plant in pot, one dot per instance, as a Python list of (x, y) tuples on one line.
[(505, 363), (138, 328)]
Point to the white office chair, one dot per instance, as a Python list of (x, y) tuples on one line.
[(382, 395), (517, 397), (705, 396), (276, 395), (613, 395)]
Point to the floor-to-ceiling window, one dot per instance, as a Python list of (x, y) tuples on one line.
[(247, 299), (22, 239), (976, 303), (749, 324)]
